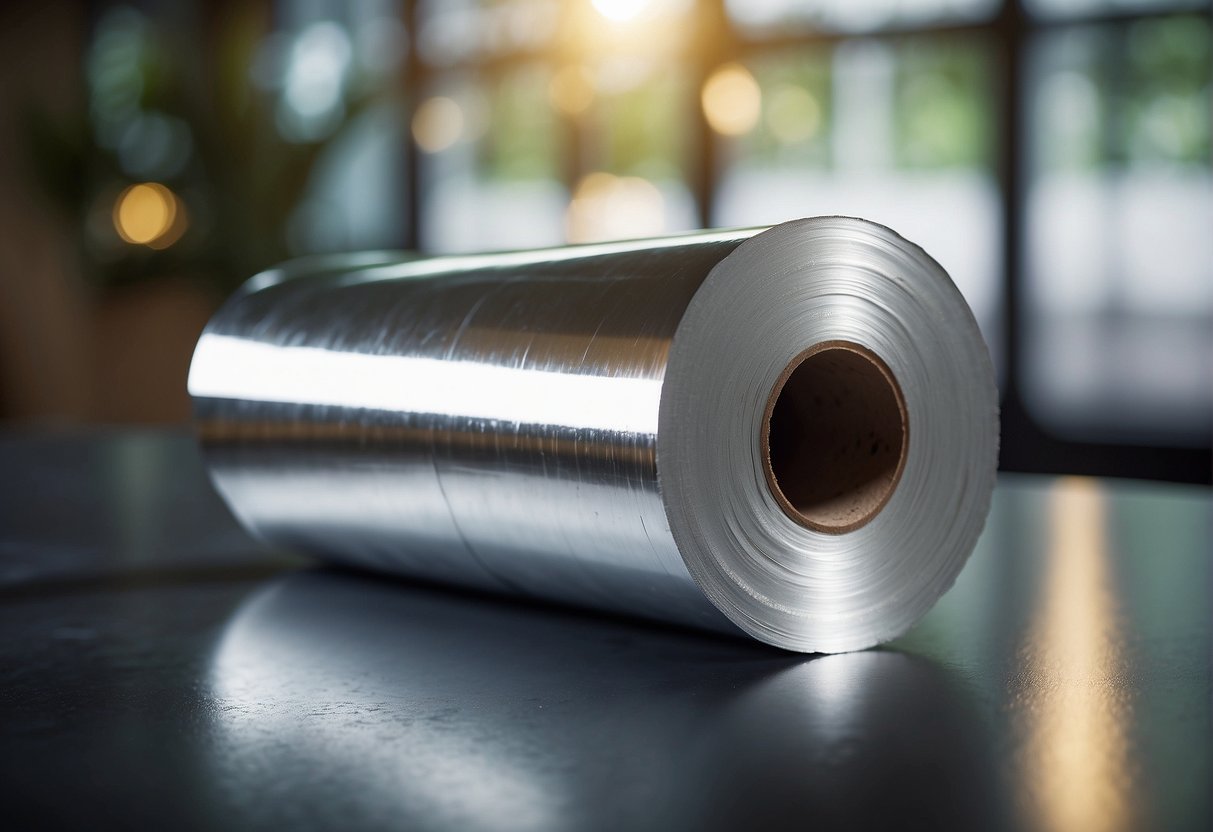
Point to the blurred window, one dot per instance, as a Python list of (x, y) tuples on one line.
[(1118, 338), (633, 137), (1088, 8), (573, 122), (851, 16), (490, 174), (463, 31)]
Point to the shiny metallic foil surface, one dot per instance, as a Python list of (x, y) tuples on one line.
[(621, 426)]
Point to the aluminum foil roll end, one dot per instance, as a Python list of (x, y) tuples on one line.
[(828, 435)]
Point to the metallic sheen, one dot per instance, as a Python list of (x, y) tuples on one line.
[(583, 424)]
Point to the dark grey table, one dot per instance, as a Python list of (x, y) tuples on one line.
[(160, 669)]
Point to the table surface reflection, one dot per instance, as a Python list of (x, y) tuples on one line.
[(158, 668)]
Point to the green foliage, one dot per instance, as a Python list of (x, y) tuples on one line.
[(1166, 96), (239, 178), (943, 112), (805, 140), (643, 129), (521, 136)]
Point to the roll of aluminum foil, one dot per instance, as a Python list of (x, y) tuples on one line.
[(792, 431)]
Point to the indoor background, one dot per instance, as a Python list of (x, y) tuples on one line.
[(1053, 155)]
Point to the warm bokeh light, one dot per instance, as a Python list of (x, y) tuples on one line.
[(437, 124), (793, 114), (620, 9), (608, 207), (572, 90), (1073, 699), (149, 214), (731, 100)]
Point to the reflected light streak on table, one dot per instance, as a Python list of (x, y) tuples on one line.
[(1075, 696)]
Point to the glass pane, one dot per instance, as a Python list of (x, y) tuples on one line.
[(1079, 8), (634, 134), (335, 69), (895, 133), (455, 31), (1119, 317), (491, 164), (759, 16), (355, 192)]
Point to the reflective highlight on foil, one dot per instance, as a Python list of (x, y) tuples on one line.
[(309, 375)]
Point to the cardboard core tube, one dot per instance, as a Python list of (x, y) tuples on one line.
[(834, 437)]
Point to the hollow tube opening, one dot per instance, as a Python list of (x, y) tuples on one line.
[(834, 437)]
